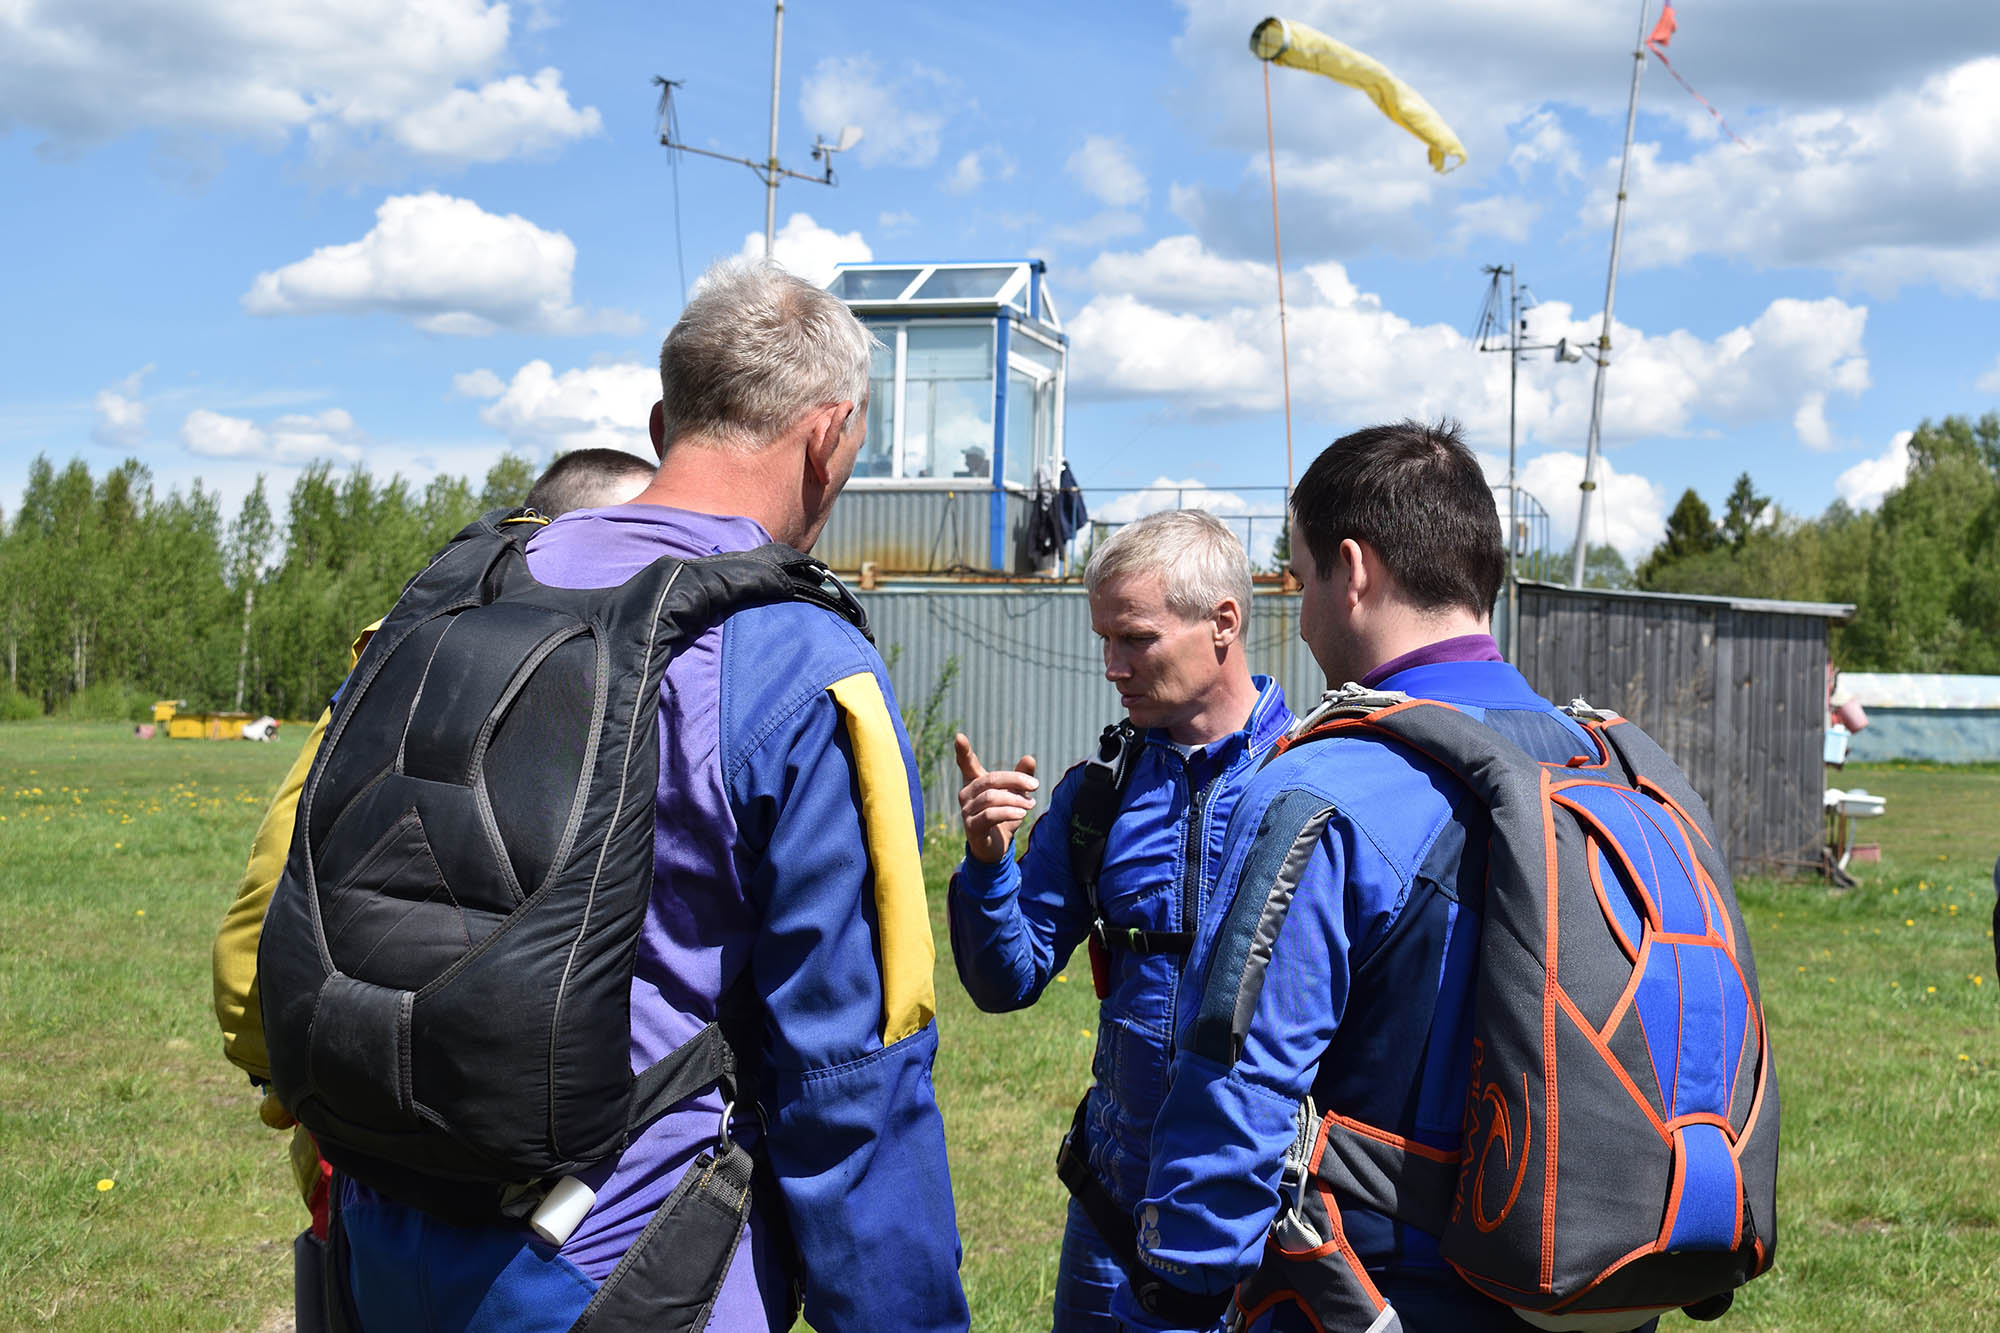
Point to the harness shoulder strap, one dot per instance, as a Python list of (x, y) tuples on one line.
[(1106, 774)]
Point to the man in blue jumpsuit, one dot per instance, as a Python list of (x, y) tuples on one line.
[(1364, 1002), (786, 867), (1170, 598)]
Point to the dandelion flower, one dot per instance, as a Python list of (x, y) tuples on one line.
[(1930, 990), (1908, 921), (105, 1184)]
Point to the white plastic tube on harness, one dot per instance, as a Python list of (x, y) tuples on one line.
[(562, 1210)]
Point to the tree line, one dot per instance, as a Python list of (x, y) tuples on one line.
[(1922, 570), (112, 594)]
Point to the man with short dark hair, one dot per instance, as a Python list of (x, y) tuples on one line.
[(588, 479), (1363, 1001)]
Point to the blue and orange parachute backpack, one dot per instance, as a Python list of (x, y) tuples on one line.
[(1620, 1147)]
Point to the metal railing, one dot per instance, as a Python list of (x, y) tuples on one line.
[(1262, 518), (1256, 514)]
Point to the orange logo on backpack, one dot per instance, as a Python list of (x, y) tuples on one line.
[(1490, 1151)]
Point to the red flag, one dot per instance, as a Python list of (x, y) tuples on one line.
[(1663, 31)]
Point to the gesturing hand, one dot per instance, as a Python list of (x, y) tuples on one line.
[(992, 805)]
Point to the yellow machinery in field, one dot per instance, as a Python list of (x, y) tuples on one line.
[(210, 726)]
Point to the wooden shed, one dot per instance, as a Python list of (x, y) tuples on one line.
[(1733, 688)]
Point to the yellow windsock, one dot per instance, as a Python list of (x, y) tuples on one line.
[(1285, 42)]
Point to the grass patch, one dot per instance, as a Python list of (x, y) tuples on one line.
[(1881, 1002)]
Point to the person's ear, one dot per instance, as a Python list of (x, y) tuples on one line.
[(825, 429), (656, 426), (1356, 563), (1228, 622)]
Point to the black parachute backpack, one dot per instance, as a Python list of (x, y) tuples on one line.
[(446, 964)]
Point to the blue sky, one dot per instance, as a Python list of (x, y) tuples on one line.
[(414, 233)]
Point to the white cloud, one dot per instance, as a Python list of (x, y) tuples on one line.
[(1626, 511), (900, 117), (1990, 381), (1865, 485), (1504, 217), (1480, 62), (443, 262), (896, 220), (1178, 270), (121, 417), (1110, 225), (353, 75), (509, 117), (481, 383), (1903, 190), (808, 249), (587, 408), (1881, 168), (966, 177), (1541, 143), (1104, 169), (978, 167), (295, 438), (1183, 324)]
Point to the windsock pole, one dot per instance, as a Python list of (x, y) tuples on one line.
[(1603, 358), (1278, 244)]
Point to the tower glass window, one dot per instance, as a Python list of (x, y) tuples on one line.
[(878, 451), (948, 401)]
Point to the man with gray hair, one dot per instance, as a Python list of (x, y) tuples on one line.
[(787, 902), (1125, 858)]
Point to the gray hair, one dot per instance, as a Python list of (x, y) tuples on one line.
[(1201, 562), (753, 349)]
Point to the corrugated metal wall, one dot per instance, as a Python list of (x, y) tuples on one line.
[(1030, 678), (1735, 696), (917, 531)]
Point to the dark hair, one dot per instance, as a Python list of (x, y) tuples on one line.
[(1416, 495), (588, 479)]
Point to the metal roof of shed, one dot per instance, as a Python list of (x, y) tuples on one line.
[(1771, 606)]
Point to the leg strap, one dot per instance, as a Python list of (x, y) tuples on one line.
[(1112, 1220), (1115, 1227), (668, 1280)]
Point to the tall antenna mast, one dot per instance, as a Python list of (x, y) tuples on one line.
[(1603, 357), (771, 161), (770, 170), (1506, 304)]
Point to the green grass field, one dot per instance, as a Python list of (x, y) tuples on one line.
[(117, 858)]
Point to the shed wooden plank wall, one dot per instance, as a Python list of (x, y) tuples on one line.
[(1735, 696)]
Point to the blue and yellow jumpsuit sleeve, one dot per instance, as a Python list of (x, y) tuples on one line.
[(1015, 924), (829, 818)]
